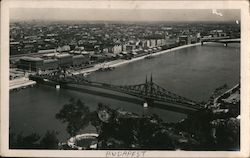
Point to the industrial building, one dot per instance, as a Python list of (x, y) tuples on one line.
[(78, 60), (30, 63), (64, 60), (52, 62)]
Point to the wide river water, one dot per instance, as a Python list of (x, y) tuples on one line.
[(192, 72)]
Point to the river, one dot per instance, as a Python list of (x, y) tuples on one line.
[(192, 72)]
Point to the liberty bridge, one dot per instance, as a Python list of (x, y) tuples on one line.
[(149, 91)]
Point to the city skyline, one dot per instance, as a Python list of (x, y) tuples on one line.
[(139, 15)]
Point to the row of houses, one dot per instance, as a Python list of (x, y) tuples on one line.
[(129, 47)]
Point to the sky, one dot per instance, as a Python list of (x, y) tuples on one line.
[(124, 14)]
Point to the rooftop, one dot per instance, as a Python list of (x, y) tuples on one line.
[(50, 60), (63, 55), (31, 58), (78, 56)]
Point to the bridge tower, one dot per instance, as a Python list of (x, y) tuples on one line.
[(148, 92)]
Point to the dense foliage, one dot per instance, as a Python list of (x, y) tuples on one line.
[(118, 129), (34, 141), (75, 114)]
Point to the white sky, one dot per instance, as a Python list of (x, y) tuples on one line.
[(123, 14)]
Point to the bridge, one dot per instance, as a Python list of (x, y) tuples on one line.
[(224, 40), (148, 91)]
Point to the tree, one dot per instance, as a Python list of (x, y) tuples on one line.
[(34, 141), (75, 114), (49, 141), (19, 141), (228, 134)]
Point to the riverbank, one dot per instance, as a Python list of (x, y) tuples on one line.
[(120, 62), (154, 54), (24, 83), (230, 95), (20, 83)]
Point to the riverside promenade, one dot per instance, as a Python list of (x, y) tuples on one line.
[(120, 62)]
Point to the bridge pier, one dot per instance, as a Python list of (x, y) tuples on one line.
[(58, 86), (147, 103)]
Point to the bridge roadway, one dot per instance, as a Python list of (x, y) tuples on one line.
[(148, 91), (125, 98)]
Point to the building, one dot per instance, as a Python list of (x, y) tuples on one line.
[(30, 63), (130, 48), (63, 48), (53, 62), (193, 39), (105, 50), (47, 51), (78, 60), (163, 42), (50, 64), (218, 33), (198, 36), (98, 58), (153, 43), (143, 43), (64, 60), (117, 49), (124, 47), (184, 40), (49, 55), (148, 44), (159, 42)]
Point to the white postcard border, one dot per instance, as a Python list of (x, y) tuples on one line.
[(245, 68)]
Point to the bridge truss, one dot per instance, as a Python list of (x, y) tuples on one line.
[(149, 91)]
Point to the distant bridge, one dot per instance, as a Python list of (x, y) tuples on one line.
[(223, 40), (149, 91)]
